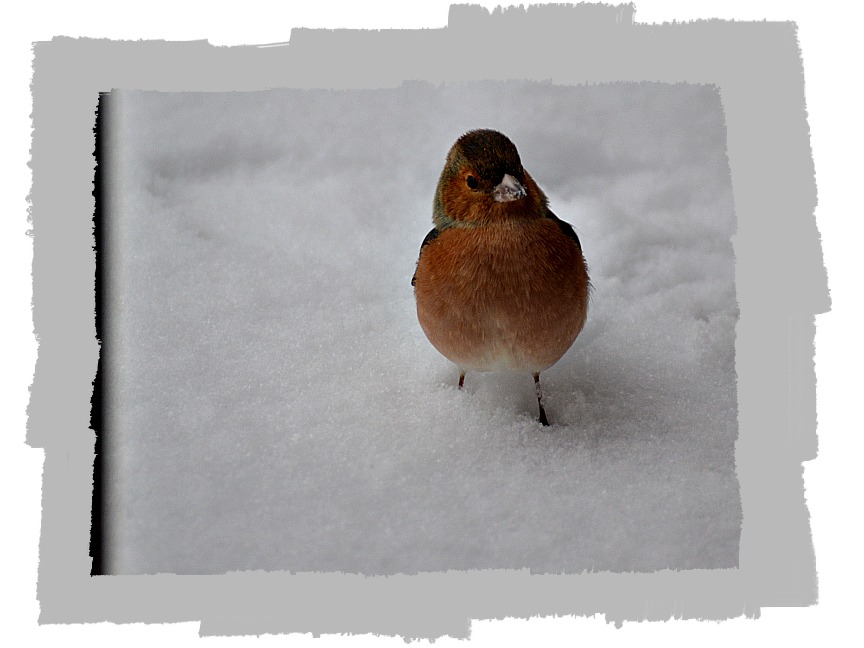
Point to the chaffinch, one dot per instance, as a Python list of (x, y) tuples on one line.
[(500, 283)]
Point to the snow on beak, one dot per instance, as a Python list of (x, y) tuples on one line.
[(508, 189)]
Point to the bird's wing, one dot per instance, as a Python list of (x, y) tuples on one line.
[(431, 236), (566, 228)]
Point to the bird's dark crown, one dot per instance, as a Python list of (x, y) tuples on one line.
[(491, 154)]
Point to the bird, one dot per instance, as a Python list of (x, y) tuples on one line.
[(501, 283)]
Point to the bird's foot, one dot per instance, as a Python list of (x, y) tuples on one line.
[(543, 420)]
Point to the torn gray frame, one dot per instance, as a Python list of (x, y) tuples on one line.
[(781, 285)]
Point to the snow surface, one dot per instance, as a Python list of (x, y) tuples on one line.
[(276, 405)]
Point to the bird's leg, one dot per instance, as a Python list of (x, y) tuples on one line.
[(543, 419), (461, 378)]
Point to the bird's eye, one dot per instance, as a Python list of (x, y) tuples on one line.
[(473, 183)]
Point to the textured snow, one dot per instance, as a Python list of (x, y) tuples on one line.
[(275, 404)]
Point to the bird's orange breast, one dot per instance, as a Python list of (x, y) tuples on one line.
[(509, 296)]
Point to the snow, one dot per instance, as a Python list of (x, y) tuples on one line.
[(275, 404)]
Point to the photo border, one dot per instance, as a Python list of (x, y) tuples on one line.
[(780, 281)]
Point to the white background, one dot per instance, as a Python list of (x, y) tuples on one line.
[(831, 56)]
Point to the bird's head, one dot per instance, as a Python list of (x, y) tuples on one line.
[(483, 181)]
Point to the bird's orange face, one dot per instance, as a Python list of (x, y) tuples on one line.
[(483, 181)]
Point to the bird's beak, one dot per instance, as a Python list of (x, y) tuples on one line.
[(508, 189)]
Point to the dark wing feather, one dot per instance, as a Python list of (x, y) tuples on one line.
[(566, 228), (431, 236)]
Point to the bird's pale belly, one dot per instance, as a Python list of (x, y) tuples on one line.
[(492, 310)]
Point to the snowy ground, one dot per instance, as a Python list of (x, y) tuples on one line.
[(276, 405)]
